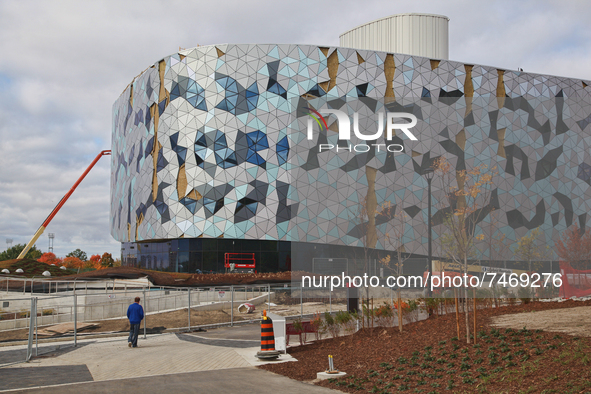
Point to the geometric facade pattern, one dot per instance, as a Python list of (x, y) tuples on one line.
[(205, 145)]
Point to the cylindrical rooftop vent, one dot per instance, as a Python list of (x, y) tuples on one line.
[(414, 34)]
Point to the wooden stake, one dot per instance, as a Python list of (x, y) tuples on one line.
[(362, 314), (474, 315), (372, 312), (399, 312), (457, 312)]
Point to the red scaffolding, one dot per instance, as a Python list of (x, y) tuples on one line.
[(240, 260)]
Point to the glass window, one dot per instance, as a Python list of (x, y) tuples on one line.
[(209, 244), (183, 245), (183, 262)]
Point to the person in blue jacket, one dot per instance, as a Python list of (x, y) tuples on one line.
[(135, 314)]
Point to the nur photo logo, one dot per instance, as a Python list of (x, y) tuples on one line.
[(402, 121)]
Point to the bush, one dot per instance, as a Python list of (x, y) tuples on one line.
[(385, 315), (298, 326), (318, 325), (345, 320), (331, 324), (524, 294)]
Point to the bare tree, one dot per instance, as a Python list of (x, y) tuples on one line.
[(468, 202), (395, 239)]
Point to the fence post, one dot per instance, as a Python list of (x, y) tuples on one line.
[(75, 320), (232, 306), (269, 299), (30, 341), (36, 337), (24, 286), (189, 309), (146, 312)]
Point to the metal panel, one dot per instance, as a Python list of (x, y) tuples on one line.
[(414, 34)]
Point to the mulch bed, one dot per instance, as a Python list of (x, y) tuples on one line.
[(428, 358)]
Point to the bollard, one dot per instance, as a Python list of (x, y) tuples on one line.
[(232, 307), (267, 339)]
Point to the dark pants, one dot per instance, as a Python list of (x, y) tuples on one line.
[(134, 330)]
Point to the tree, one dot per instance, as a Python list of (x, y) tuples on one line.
[(496, 242), (73, 262), (396, 240), (467, 194), (79, 254), (365, 219), (49, 258), (528, 249), (575, 248), (107, 260), (94, 262), (13, 252)]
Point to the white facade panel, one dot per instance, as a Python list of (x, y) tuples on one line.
[(414, 34)]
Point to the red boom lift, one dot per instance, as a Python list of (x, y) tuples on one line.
[(59, 205)]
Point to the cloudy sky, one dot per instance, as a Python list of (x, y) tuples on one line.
[(64, 63)]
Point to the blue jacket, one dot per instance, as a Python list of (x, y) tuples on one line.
[(135, 313)]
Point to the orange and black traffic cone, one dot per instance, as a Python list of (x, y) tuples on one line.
[(267, 339)]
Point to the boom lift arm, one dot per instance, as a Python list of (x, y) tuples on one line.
[(60, 205)]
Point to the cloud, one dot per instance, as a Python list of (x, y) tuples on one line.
[(64, 63)]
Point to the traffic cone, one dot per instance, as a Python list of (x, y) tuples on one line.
[(267, 339)]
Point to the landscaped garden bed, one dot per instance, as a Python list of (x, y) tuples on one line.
[(428, 357)]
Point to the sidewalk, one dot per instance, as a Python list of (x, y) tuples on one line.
[(222, 361)]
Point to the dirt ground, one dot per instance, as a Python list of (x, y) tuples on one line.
[(574, 321), (428, 357), (155, 323)]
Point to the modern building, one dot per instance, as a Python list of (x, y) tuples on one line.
[(210, 152)]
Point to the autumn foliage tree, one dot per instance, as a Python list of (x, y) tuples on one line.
[(94, 262), (50, 258), (107, 260), (73, 262), (575, 248)]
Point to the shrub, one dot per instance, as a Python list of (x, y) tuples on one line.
[(299, 329), (385, 315), (318, 325), (345, 320), (331, 324)]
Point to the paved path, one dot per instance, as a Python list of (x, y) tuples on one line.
[(221, 362), (241, 380)]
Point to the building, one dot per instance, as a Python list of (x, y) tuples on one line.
[(209, 153)]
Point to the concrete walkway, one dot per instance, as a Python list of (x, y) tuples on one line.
[(201, 362)]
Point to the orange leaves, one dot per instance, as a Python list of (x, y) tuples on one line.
[(575, 248), (73, 262), (49, 258), (404, 305)]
